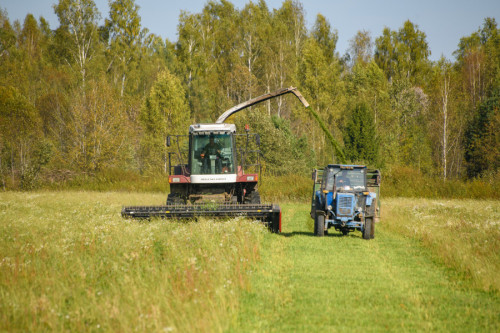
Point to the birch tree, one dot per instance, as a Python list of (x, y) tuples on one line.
[(79, 18)]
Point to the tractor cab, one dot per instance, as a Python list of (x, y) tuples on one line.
[(344, 178)]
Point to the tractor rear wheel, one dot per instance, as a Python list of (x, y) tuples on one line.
[(372, 233), (319, 225), (367, 230)]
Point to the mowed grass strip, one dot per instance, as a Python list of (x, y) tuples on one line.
[(336, 283), (69, 262)]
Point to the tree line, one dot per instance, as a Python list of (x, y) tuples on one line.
[(85, 97)]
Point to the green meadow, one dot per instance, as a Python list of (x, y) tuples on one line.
[(69, 262)]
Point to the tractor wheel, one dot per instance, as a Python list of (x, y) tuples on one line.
[(367, 230), (253, 198), (372, 233), (319, 225)]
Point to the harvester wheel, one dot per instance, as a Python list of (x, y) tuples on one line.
[(174, 199), (253, 198), (367, 230), (319, 225)]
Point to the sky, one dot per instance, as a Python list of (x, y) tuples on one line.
[(443, 21)]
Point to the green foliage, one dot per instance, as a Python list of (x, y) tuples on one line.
[(360, 140), (97, 128), (290, 187), (409, 182), (19, 131), (92, 92), (79, 18), (483, 139), (323, 35), (410, 108), (164, 112), (126, 41), (42, 155), (403, 54), (282, 151)]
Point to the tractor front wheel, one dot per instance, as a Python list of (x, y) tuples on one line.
[(319, 225)]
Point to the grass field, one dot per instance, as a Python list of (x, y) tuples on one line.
[(68, 262)]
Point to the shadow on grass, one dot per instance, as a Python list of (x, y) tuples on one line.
[(310, 234)]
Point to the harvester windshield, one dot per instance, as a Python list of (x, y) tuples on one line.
[(212, 154)]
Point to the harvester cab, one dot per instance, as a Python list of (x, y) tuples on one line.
[(345, 197), (214, 176), (216, 171)]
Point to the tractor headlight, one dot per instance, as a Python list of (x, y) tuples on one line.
[(329, 207), (250, 178)]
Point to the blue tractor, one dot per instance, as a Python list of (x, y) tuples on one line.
[(345, 197)]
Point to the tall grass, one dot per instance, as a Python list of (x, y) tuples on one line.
[(286, 188), (69, 262), (105, 180), (396, 182), (462, 234), (408, 182)]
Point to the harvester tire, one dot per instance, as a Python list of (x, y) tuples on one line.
[(253, 198), (367, 230), (174, 199), (319, 225)]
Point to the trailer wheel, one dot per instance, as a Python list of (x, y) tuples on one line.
[(367, 230), (319, 225)]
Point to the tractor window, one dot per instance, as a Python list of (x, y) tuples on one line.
[(212, 154), (351, 179), (346, 179), (329, 177)]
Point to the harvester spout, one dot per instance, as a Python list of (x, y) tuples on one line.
[(262, 98)]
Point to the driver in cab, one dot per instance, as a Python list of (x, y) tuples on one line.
[(211, 149), (343, 180)]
